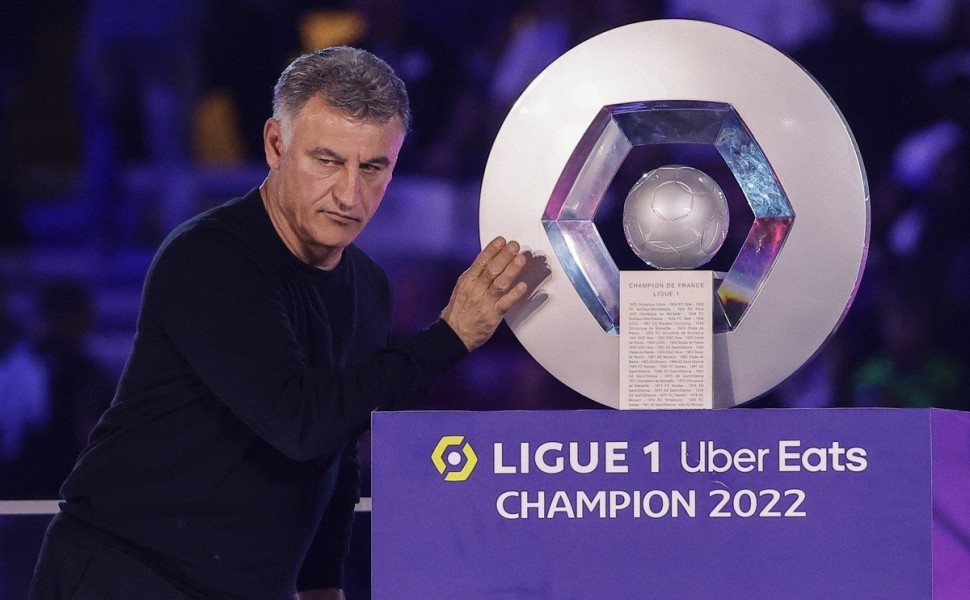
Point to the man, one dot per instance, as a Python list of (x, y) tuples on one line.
[(226, 466)]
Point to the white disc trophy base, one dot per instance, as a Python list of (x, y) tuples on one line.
[(784, 140)]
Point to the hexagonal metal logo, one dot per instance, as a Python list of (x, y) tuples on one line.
[(613, 133), (671, 82)]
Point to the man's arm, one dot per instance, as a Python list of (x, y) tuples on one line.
[(218, 303), (221, 304)]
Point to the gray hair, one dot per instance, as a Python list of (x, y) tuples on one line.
[(352, 80)]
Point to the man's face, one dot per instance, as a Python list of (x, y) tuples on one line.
[(328, 174)]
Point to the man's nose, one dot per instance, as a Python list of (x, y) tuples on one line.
[(346, 191)]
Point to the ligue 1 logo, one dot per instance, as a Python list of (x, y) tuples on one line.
[(601, 108), (454, 458)]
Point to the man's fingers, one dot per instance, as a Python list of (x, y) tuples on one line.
[(500, 262), (484, 257), (506, 279), (508, 300)]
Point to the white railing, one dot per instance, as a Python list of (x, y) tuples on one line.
[(49, 507)]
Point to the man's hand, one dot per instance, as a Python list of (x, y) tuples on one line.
[(327, 594), (485, 292)]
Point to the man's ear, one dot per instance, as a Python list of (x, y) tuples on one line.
[(273, 142)]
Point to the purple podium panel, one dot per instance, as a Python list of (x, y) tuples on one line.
[(951, 505), (794, 504)]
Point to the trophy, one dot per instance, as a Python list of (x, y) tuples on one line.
[(646, 90)]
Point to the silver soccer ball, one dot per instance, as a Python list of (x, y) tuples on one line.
[(675, 217)]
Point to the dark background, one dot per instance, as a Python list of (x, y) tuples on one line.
[(117, 123)]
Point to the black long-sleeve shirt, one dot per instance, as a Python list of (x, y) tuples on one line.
[(223, 452)]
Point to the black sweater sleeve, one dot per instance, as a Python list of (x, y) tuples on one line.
[(224, 309)]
